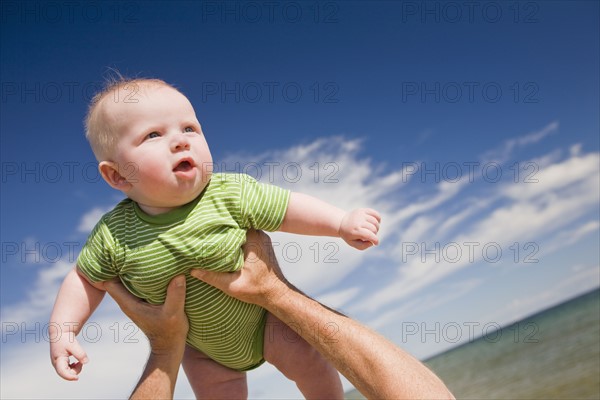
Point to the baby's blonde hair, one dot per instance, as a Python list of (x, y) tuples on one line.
[(99, 133)]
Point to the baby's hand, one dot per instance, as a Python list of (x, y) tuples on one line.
[(62, 347), (359, 228)]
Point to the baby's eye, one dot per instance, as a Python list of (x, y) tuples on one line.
[(189, 129), (152, 135)]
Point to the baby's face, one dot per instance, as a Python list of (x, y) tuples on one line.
[(161, 150)]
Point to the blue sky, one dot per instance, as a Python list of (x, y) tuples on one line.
[(472, 126)]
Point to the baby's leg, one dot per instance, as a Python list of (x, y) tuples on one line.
[(299, 361), (211, 380)]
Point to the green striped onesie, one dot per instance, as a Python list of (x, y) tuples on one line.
[(147, 251)]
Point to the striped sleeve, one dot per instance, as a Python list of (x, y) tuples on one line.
[(263, 206), (95, 260)]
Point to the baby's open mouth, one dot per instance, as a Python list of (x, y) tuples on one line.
[(183, 166)]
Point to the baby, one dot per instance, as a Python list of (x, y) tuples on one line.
[(177, 216)]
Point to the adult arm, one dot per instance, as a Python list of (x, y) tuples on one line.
[(166, 327), (376, 367)]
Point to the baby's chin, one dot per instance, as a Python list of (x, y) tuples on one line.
[(184, 195), (196, 191)]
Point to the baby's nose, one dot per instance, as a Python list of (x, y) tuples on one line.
[(180, 142)]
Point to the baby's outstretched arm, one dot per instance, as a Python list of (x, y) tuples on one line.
[(76, 301), (308, 215)]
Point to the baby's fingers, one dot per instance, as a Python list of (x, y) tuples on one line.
[(360, 244), (373, 222), (67, 370), (368, 235), (70, 370), (373, 213), (77, 351), (371, 218)]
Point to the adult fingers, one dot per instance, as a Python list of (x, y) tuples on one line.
[(259, 249), (220, 280), (123, 297), (175, 295)]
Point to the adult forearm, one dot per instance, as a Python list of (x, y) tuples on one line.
[(166, 327), (376, 367), (159, 376)]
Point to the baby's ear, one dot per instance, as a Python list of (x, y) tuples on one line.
[(110, 172)]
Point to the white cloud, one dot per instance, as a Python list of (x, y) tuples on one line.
[(419, 228), (502, 154), (91, 218), (338, 299), (451, 222), (565, 192), (580, 281), (558, 176), (117, 353), (583, 230), (445, 192), (330, 169), (40, 297)]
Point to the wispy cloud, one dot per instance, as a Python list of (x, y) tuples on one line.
[(564, 192), (331, 169), (504, 152), (582, 279), (91, 218), (39, 297), (338, 299), (424, 303), (570, 236)]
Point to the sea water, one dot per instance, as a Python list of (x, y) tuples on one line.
[(554, 354)]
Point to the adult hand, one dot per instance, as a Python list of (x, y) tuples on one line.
[(260, 281), (166, 327), (378, 368)]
